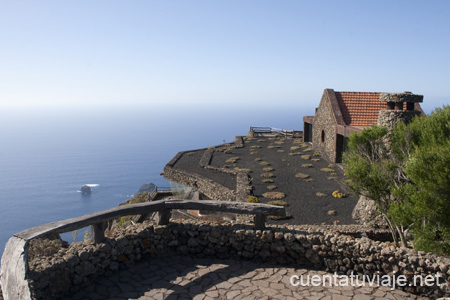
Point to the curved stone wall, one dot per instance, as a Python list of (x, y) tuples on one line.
[(319, 247)]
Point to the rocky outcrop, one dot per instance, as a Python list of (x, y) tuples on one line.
[(148, 187), (86, 190), (366, 213)]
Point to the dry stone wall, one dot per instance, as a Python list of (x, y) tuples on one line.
[(320, 247), (206, 186), (210, 188)]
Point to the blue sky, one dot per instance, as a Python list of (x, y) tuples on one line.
[(147, 53)]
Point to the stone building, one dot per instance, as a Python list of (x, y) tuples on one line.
[(341, 113)]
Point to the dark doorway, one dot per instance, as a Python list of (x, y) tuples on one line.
[(307, 131), (341, 146)]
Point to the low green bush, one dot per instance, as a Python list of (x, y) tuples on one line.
[(252, 199)]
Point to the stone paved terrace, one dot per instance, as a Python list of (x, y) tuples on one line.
[(186, 277)]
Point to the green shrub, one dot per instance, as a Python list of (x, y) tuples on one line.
[(264, 163), (307, 166), (252, 199)]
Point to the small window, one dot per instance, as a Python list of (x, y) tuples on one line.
[(323, 136)]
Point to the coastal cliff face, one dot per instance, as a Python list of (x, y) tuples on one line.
[(334, 248)]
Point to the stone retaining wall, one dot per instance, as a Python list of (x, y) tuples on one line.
[(210, 188), (318, 247)]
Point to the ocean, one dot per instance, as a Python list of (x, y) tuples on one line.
[(48, 154)]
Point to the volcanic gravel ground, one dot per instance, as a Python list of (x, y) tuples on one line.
[(304, 205)]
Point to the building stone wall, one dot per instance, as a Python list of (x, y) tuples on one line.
[(324, 121), (389, 118), (333, 248)]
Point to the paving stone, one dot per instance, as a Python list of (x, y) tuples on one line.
[(202, 279), (260, 276), (286, 292), (277, 286), (261, 283), (212, 294), (224, 285), (268, 291), (196, 289), (340, 297), (234, 280), (232, 294), (249, 289), (129, 295), (362, 297)]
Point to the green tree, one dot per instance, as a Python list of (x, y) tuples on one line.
[(424, 199), (372, 171), (409, 178)]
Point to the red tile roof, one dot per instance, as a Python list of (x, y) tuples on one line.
[(360, 108)]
